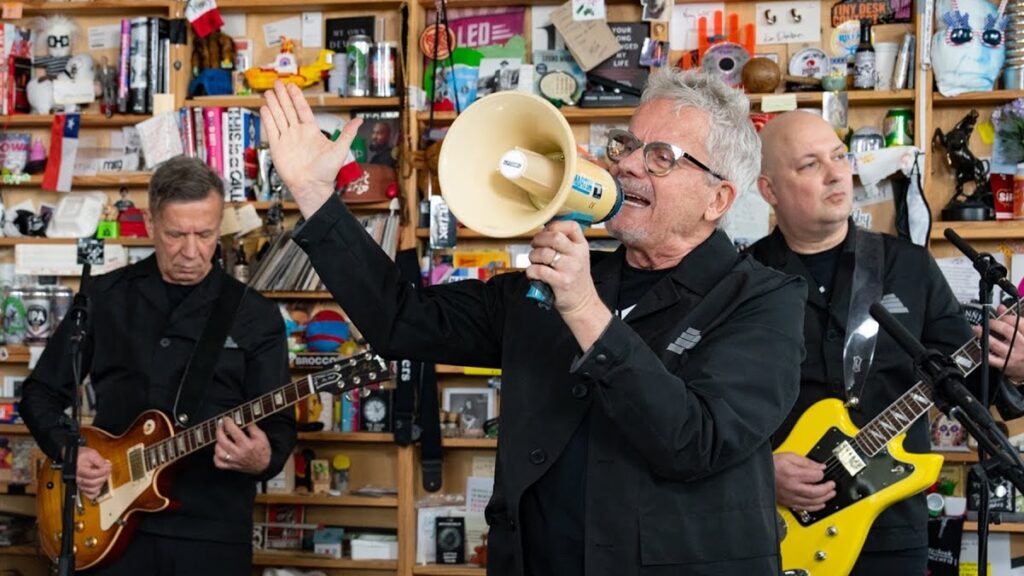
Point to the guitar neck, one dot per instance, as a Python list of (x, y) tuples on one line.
[(915, 402), (186, 442)]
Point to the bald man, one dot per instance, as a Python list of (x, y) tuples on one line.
[(807, 179)]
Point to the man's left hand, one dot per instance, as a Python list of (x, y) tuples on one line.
[(1001, 333), (246, 451)]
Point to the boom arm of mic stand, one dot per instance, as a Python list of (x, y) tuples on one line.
[(1004, 461)]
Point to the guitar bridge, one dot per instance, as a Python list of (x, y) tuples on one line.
[(849, 458)]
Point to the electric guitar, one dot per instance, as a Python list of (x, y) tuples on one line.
[(871, 470), (104, 527)]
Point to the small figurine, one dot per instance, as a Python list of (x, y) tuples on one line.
[(124, 203), (968, 168), (59, 34), (106, 77)]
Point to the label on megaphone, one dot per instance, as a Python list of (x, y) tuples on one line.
[(541, 176)]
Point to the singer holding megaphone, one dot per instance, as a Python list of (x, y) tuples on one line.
[(637, 413)]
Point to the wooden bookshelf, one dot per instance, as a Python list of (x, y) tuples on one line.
[(448, 570), (311, 560), (291, 295), (13, 429), (482, 443), (104, 180), (988, 230), (87, 119), (97, 7), (353, 437), (328, 500), (320, 101), (995, 97), (12, 241), (269, 6), (1011, 527)]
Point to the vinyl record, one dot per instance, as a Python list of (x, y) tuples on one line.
[(809, 63), (726, 60)]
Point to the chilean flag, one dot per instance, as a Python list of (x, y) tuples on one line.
[(63, 150)]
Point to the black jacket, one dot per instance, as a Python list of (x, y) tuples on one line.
[(679, 461), (136, 355), (930, 312)]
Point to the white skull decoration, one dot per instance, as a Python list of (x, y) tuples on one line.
[(968, 48)]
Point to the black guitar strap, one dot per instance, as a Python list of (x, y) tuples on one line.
[(199, 371), (418, 380)]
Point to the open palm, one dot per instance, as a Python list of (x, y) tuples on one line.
[(305, 159)]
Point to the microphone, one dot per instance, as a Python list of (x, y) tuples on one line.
[(80, 304), (935, 366), (991, 271)]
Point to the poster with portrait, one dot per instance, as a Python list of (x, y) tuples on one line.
[(498, 75), (473, 405), (377, 140)]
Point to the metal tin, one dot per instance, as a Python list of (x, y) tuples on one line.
[(62, 298), (358, 51), (38, 315), (14, 316), (898, 127), (382, 69)]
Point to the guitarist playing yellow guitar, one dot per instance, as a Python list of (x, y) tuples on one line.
[(848, 470)]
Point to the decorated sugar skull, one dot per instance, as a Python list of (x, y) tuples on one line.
[(57, 34), (968, 48)]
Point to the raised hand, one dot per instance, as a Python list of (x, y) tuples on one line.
[(305, 159)]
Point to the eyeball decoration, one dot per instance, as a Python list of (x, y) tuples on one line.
[(968, 48)]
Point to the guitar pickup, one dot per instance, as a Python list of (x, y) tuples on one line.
[(849, 458)]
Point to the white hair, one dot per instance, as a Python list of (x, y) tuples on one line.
[(734, 150)]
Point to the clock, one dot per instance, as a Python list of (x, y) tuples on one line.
[(375, 411)]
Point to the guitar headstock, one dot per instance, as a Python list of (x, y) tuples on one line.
[(352, 373)]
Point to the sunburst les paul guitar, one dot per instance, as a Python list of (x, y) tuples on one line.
[(871, 470), (103, 527)]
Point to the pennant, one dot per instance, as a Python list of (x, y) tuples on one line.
[(204, 16), (63, 150)]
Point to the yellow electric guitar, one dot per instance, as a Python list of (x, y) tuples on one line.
[(871, 470), (103, 527)]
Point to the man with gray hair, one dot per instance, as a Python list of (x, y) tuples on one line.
[(146, 325), (636, 415)]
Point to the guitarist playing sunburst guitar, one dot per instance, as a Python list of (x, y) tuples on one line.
[(848, 485), (146, 320)]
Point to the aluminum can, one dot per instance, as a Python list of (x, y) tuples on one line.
[(358, 51), (898, 127), (38, 315), (382, 69), (14, 316)]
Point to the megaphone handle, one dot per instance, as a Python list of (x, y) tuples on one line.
[(542, 293)]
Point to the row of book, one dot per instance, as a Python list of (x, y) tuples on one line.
[(285, 267), (227, 139)]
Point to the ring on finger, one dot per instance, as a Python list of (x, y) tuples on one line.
[(555, 259)]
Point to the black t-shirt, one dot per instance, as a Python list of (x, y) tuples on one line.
[(553, 511), (822, 267), (176, 293)]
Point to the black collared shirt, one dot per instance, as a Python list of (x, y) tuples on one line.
[(922, 301)]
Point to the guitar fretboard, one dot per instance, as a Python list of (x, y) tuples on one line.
[(914, 403)]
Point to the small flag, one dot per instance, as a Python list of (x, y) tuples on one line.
[(63, 150), (350, 171), (204, 16)]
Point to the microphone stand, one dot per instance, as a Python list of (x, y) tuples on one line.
[(79, 316)]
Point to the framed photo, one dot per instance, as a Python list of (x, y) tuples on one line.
[(473, 405), (12, 387)]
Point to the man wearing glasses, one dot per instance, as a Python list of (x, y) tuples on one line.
[(636, 415), (808, 180)]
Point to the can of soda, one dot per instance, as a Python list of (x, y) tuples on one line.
[(1002, 195), (37, 315), (62, 297), (358, 51), (898, 127), (382, 69), (14, 316)]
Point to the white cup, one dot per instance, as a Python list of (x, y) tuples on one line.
[(956, 506), (885, 64)]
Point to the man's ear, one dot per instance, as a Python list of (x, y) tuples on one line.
[(725, 195), (767, 190), (147, 217)]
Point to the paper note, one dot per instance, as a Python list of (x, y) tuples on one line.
[(483, 466), (788, 23), (312, 29), (683, 29), (108, 36), (234, 24), (590, 42), (963, 279), (778, 103), (290, 28)]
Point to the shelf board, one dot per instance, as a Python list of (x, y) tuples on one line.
[(96, 7), (318, 101), (14, 241), (467, 234), (1014, 527), (263, 6), (328, 500), (366, 437), (469, 443), (20, 551), (88, 119), (14, 354), (13, 429), (448, 570), (966, 457), (988, 230), (571, 113), (311, 560), (104, 180), (977, 98), (293, 295)]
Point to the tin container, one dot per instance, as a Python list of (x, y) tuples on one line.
[(358, 51), (14, 316), (38, 315), (1002, 195), (382, 69), (898, 127)]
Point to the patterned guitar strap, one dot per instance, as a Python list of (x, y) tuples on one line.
[(861, 328)]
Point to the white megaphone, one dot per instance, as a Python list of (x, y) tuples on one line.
[(509, 165)]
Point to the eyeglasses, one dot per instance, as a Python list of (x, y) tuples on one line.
[(959, 31), (660, 158)]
